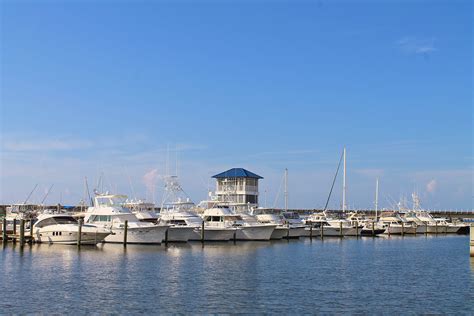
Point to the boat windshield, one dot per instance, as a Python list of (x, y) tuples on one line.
[(57, 220)]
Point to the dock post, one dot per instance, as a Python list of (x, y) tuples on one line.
[(321, 230), (388, 229), (340, 229), (471, 242), (357, 229), (31, 230), (373, 229), (22, 232), (14, 230), (79, 233), (202, 232), (426, 228), (310, 231), (403, 229), (436, 223), (235, 236), (125, 232), (4, 231), (166, 237), (288, 232)]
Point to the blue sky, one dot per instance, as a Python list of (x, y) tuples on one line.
[(91, 87)]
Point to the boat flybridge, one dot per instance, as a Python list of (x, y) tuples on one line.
[(108, 212), (64, 229), (246, 226)]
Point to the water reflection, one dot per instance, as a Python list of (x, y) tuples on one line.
[(319, 276)]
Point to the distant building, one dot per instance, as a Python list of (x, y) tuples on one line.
[(238, 187)]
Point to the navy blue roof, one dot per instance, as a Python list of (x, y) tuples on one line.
[(237, 173)]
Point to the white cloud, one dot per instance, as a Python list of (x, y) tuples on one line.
[(431, 186), (412, 45)]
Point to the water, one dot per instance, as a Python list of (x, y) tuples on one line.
[(370, 275)]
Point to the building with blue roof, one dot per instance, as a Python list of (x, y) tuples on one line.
[(238, 188)]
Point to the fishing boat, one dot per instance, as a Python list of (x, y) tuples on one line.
[(64, 229), (246, 226), (108, 213)]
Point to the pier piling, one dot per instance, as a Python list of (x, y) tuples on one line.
[(79, 233), (14, 230), (310, 231), (31, 231), (373, 229), (403, 229), (388, 229), (125, 232), (340, 229), (166, 237), (4, 231), (357, 229), (22, 232), (426, 228), (202, 232), (321, 230)]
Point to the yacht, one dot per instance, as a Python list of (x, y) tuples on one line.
[(368, 227), (246, 227), (396, 225), (176, 211), (64, 229), (268, 216), (320, 224), (144, 211), (108, 212), (432, 226), (295, 224)]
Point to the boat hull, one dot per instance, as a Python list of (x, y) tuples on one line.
[(399, 230), (138, 235), (214, 234), (279, 233), (257, 232), (295, 232), (180, 233), (370, 232)]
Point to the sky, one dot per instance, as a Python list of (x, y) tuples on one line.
[(127, 90)]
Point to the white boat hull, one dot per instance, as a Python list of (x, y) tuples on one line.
[(138, 235), (399, 230), (257, 232), (296, 232), (214, 234), (180, 233), (279, 233)]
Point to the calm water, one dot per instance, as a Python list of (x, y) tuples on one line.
[(380, 275)]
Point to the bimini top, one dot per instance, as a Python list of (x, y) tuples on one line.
[(237, 173)]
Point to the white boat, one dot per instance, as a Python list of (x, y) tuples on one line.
[(64, 229), (295, 224), (367, 227), (144, 211), (432, 226), (396, 225), (320, 224), (108, 212), (281, 230), (175, 211), (246, 226), (184, 225)]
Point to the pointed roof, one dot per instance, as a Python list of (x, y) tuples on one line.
[(237, 173)]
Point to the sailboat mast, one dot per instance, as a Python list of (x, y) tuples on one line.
[(376, 198), (286, 189), (344, 184)]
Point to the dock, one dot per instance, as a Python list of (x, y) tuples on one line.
[(471, 240)]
